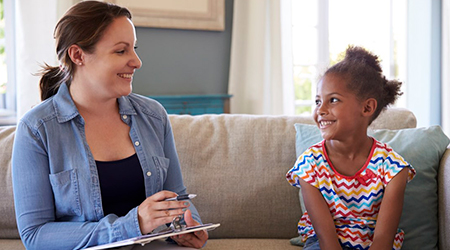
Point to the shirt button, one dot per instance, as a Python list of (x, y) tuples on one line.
[(136, 143), (149, 173), (124, 117)]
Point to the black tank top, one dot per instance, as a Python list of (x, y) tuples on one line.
[(121, 184)]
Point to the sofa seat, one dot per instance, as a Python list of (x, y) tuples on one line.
[(11, 244), (245, 244), (236, 164)]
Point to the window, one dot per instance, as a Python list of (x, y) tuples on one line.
[(322, 30), (2, 59), (7, 85)]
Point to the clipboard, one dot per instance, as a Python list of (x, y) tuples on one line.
[(145, 239)]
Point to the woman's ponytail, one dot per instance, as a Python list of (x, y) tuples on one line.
[(51, 80)]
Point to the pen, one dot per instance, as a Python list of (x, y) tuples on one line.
[(182, 197)]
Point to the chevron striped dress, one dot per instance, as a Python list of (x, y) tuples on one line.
[(353, 201)]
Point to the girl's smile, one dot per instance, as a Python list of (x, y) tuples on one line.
[(338, 112), (324, 123)]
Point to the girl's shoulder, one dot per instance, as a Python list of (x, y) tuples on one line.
[(318, 147), (392, 161), (313, 153), (384, 149)]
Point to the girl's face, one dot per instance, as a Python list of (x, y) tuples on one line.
[(338, 112), (108, 72)]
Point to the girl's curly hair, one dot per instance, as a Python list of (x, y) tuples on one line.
[(364, 76)]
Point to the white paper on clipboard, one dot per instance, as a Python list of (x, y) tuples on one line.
[(145, 239)]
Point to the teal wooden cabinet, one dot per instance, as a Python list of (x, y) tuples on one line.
[(194, 104)]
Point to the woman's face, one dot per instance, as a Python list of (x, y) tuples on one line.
[(108, 72)]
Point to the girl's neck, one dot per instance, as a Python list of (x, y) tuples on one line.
[(350, 148), (349, 157)]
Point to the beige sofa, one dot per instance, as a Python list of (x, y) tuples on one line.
[(236, 164)]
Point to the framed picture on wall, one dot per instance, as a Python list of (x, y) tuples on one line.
[(177, 14)]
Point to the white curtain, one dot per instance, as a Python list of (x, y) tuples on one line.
[(446, 66), (35, 21), (34, 46), (260, 78)]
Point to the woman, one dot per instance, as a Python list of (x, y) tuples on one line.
[(94, 163)]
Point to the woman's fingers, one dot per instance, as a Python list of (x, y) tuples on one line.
[(162, 195), (189, 240), (196, 239), (190, 222), (171, 213), (160, 202), (156, 211)]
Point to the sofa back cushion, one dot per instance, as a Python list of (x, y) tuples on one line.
[(8, 226), (237, 165)]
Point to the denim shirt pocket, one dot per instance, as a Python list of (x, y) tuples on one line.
[(66, 193), (162, 166)]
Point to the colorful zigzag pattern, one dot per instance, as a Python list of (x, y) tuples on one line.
[(353, 201)]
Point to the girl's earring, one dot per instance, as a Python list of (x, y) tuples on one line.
[(80, 63)]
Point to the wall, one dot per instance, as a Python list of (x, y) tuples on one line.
[(184, 62), (424, 59)]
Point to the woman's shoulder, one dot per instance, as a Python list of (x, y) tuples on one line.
[(39, 114), (147, 105)]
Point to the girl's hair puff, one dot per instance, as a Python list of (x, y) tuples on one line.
[(365, 78)]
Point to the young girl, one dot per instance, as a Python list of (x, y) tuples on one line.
[(352, 184)]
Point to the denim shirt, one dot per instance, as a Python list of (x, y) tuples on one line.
[(56, 187)]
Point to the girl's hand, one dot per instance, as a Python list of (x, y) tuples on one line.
[(155, 211), (195, 239)]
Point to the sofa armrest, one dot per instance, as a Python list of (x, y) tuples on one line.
[(444, 201)]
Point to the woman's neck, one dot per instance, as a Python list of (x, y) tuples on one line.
[(90, 103)]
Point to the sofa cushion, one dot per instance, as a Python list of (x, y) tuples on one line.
[(394, 118), (250, 244), (10, 244), (8, 226), (236, 165), (423, 149)]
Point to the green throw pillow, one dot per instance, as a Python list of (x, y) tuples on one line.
[(422, 148)]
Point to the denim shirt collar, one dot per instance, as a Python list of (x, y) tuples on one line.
[(66, 110)]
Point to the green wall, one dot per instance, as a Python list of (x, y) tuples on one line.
[(184, 62)]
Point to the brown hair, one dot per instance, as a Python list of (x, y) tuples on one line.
[(365, 78), (83, 24)]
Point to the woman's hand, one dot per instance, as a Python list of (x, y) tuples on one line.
[(155, 211), (196, 239)]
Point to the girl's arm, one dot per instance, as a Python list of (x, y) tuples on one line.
[(390, 212), (320, 216)]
